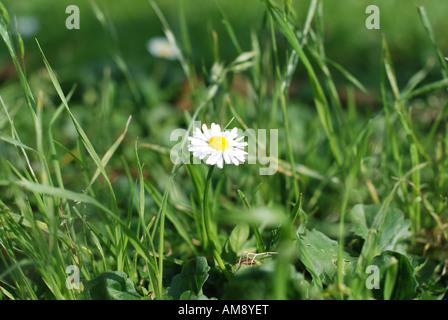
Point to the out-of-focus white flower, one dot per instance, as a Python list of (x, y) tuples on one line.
[(160, 47), (216, 146)]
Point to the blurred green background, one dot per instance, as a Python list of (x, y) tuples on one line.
[(78, 54)]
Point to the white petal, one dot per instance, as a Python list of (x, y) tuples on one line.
[(206, 132), (203, 155), (230, 154), (234, 160), (227, 135), (212, 159), (230, 135), (238, 144), (237, 140), (198, 133), (193, 148), (196, 141), (215, 129), (242, 152), (219, 161), (239, 155), (199, 153), (226, 156)]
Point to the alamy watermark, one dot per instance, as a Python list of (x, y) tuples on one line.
[(72, 281), (373, 20), (73, 20), (373, 281)]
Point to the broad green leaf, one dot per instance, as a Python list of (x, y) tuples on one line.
[(199, 270), (392, 229), (110, 285), (403, 285), (235, 242), (192, 277), (258, 282), (189, 295), (431, 286), (319, 255)]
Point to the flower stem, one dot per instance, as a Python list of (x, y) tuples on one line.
[(207, 223)]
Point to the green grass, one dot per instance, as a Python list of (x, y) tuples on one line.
[(86, 177)]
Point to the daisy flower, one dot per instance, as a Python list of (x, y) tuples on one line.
[(160, 47), (216, 146)]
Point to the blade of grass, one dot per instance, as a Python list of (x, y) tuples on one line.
[(5, 32), (318, 94), (369, 249), (256, 231), (16, 137), (78, 197), (158, 198), (162, 215), (415, 148), (108, 155), (358, 155), (85, 140), (432, 37), (115, 51), (51, 142), (285, 83), (425, 89)]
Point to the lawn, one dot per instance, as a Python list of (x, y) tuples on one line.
[(327, 178)]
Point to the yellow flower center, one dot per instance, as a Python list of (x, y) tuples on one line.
[(165, 50), (218, 143)]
